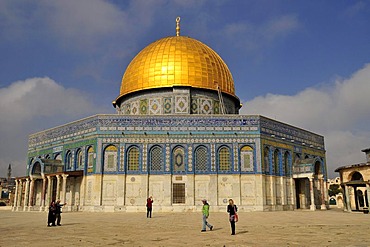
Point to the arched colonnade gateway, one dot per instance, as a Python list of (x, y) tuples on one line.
[(177, 136)]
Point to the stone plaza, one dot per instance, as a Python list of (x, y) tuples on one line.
[(280, 228)]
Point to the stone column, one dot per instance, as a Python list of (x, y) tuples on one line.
[(283, 191), (48, 192), (348, 203), (293, 192), (20, 190), (30, 196), (312, 206), (14, 207), (26, 194), (71, 203), (16, 193), (64, 188), (326, 195), (322, 188), (58, 187), (43, 193), (368, 195)]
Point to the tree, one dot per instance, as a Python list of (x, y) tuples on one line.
[(334, 189)]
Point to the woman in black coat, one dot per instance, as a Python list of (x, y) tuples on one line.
[(51, 214), (232, 209)]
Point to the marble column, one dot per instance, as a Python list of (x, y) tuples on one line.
[(312, 206), (31, 193), (64, 188), (20, 191), (43, 193), (322, 189), (348, 203), (282, 191), (58, 187), (368, 194), (293, 192), (14, 207), (48, 197), (71, 203), (26, 194), (326, 194)]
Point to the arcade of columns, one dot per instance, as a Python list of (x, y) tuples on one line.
[(25, 197), (350, 192)]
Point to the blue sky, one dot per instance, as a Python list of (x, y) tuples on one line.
[(305, 63)]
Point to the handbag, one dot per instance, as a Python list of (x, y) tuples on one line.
[(236, 218)]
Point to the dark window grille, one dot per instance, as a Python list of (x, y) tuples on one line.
[(178, 193)]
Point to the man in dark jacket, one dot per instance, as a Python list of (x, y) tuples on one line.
[(58, 211)]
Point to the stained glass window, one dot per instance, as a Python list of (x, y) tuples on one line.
[(201, 159), (224, 159), (156, 159), (133, 159)]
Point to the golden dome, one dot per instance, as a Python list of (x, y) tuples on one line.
[(177, 61)]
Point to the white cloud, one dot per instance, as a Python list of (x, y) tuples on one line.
[(253, 37), (31, 105), (340, 112)]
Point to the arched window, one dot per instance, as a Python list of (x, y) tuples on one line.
[(133, 159), (246, 159), (156, 159), (286, 164), (69, 160), (318, 168), (58, 157), (297, 158), (90, 157), (110, 158), (201, 159), (79, 161), (356, 176), (178, 159), (276, 162), (266, 159), (224, 163), (36, 169), (47, 156)]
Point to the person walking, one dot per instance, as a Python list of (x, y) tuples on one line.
[(149, 207), (58, 212), (205, 212), (51, 214), (232, 209)]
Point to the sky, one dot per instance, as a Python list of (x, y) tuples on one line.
[(305, 63)]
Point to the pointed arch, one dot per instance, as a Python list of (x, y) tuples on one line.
[(110, 158), (156, 159), (79, 159), (90, 157), (246, 159), (224, 159), (68, 160), (133, 158), (178, 159), (201, 159), (277, 162), (266, 160)]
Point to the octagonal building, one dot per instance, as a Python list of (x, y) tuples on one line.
[(177, 136)]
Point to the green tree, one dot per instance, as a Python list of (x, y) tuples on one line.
[(334, 189)]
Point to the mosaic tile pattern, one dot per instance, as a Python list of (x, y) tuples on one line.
[(167, 105), (181, 104), (155, 106)]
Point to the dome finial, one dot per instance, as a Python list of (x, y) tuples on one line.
[(178, 26)]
